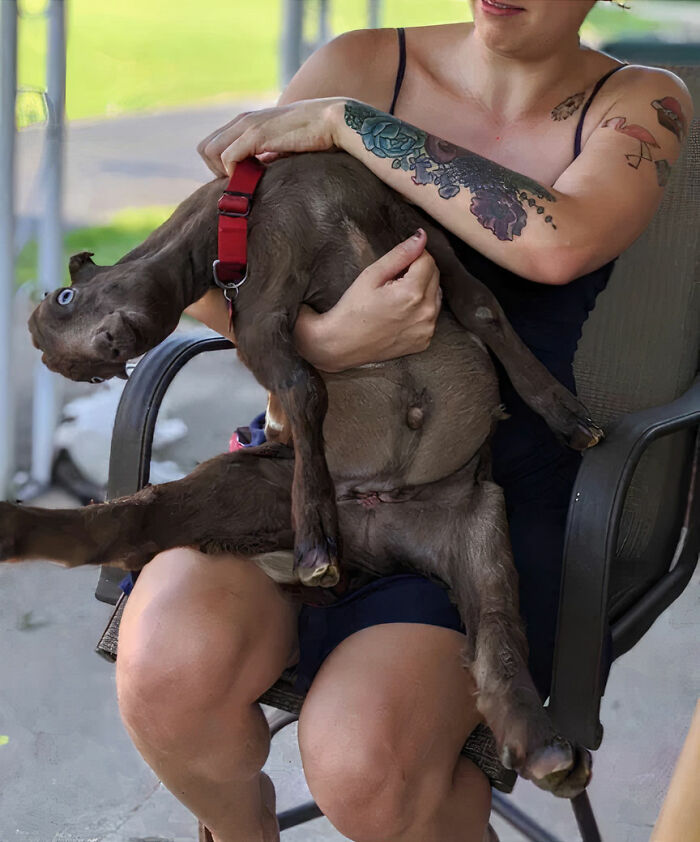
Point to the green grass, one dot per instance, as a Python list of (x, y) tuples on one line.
[(609, 24), (131, 55), (109, 242)]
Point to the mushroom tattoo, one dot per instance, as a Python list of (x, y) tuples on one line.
[(646, 139), (670, 115)]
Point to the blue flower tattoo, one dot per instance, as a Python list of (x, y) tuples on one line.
[(499, 195)]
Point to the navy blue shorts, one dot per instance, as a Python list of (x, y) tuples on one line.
[(404, 598)]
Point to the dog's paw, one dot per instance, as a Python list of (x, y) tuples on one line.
[(560, 768), (317, 566), (529, 745), (316, 535), (568, 418)]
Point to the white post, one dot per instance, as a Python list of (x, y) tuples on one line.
[(292, 39), (324, 25), (373, 13), (45, 404), (8, 95)]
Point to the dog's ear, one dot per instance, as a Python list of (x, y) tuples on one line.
[(81, 266)]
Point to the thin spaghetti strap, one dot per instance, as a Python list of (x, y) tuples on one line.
[(401, 32), (579, 129)]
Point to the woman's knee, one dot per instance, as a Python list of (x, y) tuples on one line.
[(365, 791), (196, 642)]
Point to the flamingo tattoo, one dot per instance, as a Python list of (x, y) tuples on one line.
[(646, 139)]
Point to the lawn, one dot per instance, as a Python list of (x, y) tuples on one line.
[(129, 55), (109, 242)]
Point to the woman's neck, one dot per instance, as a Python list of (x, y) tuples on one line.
[(512, 87)]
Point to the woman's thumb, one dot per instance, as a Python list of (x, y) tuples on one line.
[(396, 261)]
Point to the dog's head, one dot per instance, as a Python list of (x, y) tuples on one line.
[(107, 316)]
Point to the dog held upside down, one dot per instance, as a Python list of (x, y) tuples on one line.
[(419, 494)]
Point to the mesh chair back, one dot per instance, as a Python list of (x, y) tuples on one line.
[(640, 348)]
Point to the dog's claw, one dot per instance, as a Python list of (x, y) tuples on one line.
[(508, 758), (586, 435), (557, 756), (324, 576)]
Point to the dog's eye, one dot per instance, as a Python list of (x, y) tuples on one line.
[(65, 296), (97, 380)]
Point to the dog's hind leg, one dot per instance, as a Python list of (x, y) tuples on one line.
[(239, 500), (484, 583)]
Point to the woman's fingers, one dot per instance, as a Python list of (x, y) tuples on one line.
[(395, 262), (422, 280), (212, 147), (305, 126)]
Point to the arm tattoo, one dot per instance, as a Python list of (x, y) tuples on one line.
[(499, 195), (647, 142), (671, 116), (570, 106)]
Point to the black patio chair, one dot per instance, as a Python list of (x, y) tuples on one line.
[(633, 533)]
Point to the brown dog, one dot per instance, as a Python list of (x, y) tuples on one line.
[(419, 494)]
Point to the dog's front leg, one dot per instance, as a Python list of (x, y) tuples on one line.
[(477, 309), (266, 346), (239, 501)]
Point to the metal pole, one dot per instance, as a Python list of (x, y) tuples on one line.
[(373, 13), (292, 38), (324, 26), (45, 405), (8, 94)]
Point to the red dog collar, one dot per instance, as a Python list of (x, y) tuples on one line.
[(230, 270)]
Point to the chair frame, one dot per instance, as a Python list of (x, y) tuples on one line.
[(592, 530)]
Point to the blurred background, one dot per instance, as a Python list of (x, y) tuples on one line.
[(144, 81)]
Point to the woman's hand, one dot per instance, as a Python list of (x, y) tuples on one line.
[(306, 126), (389, 311)]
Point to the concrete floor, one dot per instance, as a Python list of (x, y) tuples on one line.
[(68, 772)]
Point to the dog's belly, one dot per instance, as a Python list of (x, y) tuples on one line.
[(400, 424)]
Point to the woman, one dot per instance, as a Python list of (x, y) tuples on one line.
[(511, 100)]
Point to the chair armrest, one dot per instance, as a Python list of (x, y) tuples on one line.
[(591, 540), (132, 436)]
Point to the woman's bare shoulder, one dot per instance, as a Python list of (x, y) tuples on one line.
[(640, 81), (360, 64)]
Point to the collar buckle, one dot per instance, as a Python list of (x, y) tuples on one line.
[(235, 203)]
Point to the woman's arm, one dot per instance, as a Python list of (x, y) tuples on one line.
[(596, 209), (599, 205)]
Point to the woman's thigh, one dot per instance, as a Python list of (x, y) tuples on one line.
[(385, 721), (198, 628)]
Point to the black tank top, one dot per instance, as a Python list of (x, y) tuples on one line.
[(549, 319)]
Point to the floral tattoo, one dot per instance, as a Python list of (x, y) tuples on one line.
[(568, 107), (499, 195)]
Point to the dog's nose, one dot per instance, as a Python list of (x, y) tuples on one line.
[(105, 345)]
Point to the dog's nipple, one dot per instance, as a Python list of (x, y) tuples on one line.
[(414, 417)]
